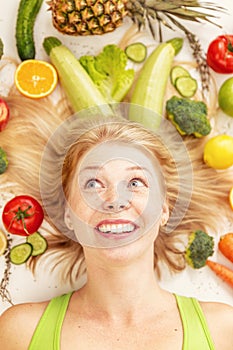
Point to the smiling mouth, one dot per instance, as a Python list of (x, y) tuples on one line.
[(122, 228)]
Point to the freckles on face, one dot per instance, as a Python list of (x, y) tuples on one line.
[(116, 193)]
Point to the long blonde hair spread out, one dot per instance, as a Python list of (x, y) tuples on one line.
[(25, 138)]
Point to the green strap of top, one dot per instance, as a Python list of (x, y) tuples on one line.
[(196, 333), (48, 331)]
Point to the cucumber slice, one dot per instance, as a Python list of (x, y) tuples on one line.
[(136, 52), (186, 86), (38, 243), (20, 253), (177, 72)]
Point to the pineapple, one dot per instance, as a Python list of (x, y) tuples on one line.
[(88, 17)]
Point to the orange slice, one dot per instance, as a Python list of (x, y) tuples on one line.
[(35, 78), (3, 242), (231, 198)]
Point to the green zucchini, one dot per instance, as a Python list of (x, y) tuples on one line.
[(26, 16), (38, 242), (1, 48), (20, 253)]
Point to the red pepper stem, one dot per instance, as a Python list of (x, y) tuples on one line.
[(230, 46)]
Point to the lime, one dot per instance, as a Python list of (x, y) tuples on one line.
[(136, 52), (3, 242), (218, 152), (225, 97)]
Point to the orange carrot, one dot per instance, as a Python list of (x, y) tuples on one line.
[(225, 245), (222, 271)]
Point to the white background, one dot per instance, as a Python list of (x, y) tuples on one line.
[(202, 283)]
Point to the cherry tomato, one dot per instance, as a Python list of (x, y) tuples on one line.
[(4, 114), (22, 215), (220, 54)]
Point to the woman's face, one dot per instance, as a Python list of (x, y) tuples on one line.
[(117, 196)]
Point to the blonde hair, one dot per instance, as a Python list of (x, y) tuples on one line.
[(25, 140)]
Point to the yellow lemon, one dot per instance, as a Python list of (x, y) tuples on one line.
[(231, 198), (3, 242), (218, 152)]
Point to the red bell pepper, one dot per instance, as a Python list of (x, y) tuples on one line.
[(220, 54), (4, 114)]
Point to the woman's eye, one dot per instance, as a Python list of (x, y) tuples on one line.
[(93, 184), (135, 183)]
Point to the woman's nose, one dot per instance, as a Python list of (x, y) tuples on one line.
[(115, 206), (117, 200)]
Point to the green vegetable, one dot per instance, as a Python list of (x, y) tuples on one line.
[(200, 247), (27, 13), (108, 72), (3, 161), (186, 86), (136, 52), (150, 87), (78, 85), (177, 72), (38, 242), (188, 116), (20, 253), (177, 44), (1, 48)]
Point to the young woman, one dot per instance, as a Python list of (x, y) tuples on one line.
[(121, 198)]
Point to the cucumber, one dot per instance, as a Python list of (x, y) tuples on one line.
[(38, 242), (186, 86), (27, 12), (136, 52), (177, 72), (20, 253)]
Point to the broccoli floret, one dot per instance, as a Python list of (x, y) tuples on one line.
[(188, 116), (200, 247), (3, 161)]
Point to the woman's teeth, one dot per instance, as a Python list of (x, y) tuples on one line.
[(116, 228)]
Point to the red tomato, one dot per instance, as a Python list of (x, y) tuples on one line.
[(22, 215), (220, 54), (4, 114)]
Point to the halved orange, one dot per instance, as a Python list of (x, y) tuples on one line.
[(3, 242), (35, 78), (231, 198)]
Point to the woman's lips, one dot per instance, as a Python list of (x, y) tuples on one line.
[(116, 228)]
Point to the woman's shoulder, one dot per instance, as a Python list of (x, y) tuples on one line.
[(18, 324), (219, 317)]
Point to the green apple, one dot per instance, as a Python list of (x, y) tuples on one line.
[(225, 97)]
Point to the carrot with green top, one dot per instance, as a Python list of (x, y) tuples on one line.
[(221, 271)]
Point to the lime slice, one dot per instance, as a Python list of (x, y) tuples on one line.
[(177, 72), (20, 253), (136, 52), (3, 242), (38, 242), (186, 86)]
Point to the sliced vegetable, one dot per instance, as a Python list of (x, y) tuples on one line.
[(220, 54), (22, 215), (108, 72), (27, 13), (3, 242), (3, 161), (1, 48), (186, 86), (221, 271), (231, 198), (136, 52), (225, 245), (38, 242), (79, 87), (177, 72), (150, 87), (4, 114), (20, 253)]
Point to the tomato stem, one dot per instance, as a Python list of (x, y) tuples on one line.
[(21, 215)]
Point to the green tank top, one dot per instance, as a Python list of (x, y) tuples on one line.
[(196, 333)]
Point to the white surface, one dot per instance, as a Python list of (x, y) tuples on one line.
[(202, 284)]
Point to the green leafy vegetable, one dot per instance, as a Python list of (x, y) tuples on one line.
[(200, 247), (108, 71), (188, 116)]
